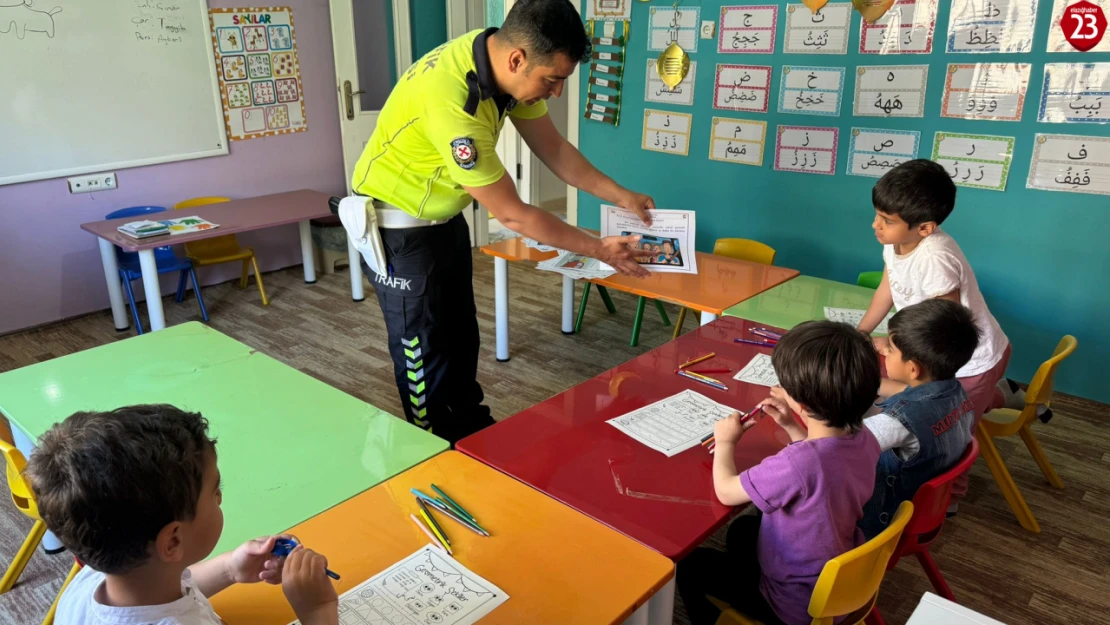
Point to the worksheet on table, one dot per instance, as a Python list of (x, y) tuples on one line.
[(427, 587), (675, 424), (759, 371)]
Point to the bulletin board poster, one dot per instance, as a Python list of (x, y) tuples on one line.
[(260, 76)]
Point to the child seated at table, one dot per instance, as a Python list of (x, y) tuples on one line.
[(135, 495), (925, 429), (810, 495)]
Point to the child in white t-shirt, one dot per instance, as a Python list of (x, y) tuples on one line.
[(135, 495), (922, 262)]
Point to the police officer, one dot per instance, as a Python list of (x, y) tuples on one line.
[(431, 152)]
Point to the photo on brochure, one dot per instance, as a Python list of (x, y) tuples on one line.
[(664, 250)]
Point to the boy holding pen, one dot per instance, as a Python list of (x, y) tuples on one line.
[(923, 262), (810, 495), (135, 495)]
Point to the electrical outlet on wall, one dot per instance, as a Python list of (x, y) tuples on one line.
[(707, 28), (92, 182)]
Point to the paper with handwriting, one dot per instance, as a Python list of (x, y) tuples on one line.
[(742, 88), (427, 587), (907, 28), (890, 91), (806, 149), (737, 141), (675, 424), (1075, 93), (1070, 163), (658, 91), (852, 317), (667, 132), (811, 90), (994, 91), (874, 151), (822, 32), (977, 161), (748, 29), (759, 372), (992, 25)]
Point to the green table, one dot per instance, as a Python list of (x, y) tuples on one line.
[(802, 299), (289, 445)]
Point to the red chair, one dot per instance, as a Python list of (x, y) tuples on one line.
[(930, 505)]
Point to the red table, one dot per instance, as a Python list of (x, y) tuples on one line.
[(564, 448)]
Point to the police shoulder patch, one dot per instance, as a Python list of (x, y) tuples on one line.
[(465, 152)]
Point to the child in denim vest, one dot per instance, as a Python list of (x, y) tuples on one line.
[(925, 429)]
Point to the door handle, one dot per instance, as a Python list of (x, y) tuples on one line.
[(349, 100)]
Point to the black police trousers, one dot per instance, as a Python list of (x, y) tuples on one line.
[(427, 300)]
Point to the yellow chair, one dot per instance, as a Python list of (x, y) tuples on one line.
[(740, 249), (24, 501), (1007, 422), (849, 583), (220, 250)]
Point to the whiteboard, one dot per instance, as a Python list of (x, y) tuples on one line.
[(96, 85)]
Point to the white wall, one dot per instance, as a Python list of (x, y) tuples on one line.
[(551, 188)]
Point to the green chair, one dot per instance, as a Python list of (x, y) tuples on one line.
[(870, 279)]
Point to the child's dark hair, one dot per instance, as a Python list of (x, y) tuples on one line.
[(107, 482), (917, 191), (938, 334), (831, 368)]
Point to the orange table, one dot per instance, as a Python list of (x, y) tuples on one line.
[(720, 283), (557, 565)]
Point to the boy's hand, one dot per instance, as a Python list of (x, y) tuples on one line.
[(307, 587), (730, 429), (253, 562), (778, 409)]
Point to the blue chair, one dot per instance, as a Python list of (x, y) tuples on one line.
[(164, 257)]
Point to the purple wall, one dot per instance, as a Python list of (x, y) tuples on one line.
[(51, 268)]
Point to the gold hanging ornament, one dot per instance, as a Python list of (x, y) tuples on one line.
[(673, 65), (872, 10)]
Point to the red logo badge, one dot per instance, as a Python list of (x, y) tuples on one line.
[(1083, 24)]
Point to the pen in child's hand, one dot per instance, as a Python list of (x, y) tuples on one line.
[(285, 546)]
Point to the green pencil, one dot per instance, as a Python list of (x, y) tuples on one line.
[(432, 519), (451, 502)]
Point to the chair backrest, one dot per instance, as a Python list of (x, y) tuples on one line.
[(1040, 389), (850, 581), (870, 279), (745, 249), (930, 506), (132, 258), (22, 496), (208, 248)]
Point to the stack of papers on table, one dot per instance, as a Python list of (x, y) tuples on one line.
[(576, 266), (532, 243)]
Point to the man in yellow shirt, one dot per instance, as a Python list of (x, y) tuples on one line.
[(432, 151)]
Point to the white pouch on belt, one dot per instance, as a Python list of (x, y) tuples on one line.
[(360, 220)]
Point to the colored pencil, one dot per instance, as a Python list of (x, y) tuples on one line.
[(454, 504), (444, 510), (710, 441), (704, 371), (435, 526), (697, 360), (704, 380), (432, 524), (771, 332), (765, 334), (424, 528), (761, 343)]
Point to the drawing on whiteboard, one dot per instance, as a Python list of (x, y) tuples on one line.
[(23, 19)]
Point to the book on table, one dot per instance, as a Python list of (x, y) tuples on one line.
[(181, 225)]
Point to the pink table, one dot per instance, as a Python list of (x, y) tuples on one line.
[(233, 217)]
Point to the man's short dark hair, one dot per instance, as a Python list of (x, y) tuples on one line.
[(831, 368), (938, 334), (544, 28), (107, 482), (917, 191)]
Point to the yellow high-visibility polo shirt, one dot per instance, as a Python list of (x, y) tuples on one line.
[(438, 131)]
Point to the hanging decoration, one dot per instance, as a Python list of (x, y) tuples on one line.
[(673, 65), (603, 91), (872, 10)]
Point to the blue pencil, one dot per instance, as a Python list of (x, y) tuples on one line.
[(760, 343)]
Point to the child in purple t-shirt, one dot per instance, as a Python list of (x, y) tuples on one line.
[(810, 495)]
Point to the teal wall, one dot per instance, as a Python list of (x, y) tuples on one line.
[(428, 19), (495, 12), (1041, 257)]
